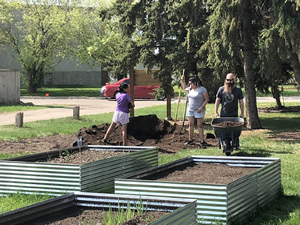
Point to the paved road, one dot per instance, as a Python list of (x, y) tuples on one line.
[(88, 106)]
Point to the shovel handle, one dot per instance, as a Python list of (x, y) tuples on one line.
[(186, 101)]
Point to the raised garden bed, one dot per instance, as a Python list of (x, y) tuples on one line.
[(61, 210), (219, 200), (37, 173)]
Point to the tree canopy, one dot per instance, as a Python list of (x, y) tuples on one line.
[(34, 30), (256, 40)]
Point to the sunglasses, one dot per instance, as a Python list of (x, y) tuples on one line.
[(229, 80)]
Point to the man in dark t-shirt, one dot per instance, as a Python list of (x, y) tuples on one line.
[(229, 96)]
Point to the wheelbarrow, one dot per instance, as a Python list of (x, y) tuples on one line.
[(228, 130)]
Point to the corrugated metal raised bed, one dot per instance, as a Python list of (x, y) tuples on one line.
[(26, 175), (180, 211), (216, 203)]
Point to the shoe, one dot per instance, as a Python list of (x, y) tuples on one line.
[(189, 142), (204, 144)]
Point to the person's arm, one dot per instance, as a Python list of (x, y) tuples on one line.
[(206, 99), (242, 107), (132, 103), (217, 104)]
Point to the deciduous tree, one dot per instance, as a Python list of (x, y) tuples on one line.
[(34, 31)]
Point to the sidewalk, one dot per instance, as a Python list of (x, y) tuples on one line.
[(282, 99), (63, 107)]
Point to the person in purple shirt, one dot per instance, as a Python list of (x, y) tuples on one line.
[(124, 104)]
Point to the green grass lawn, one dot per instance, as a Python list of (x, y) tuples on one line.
[(288, 90), (277, 139), (285, 90), (16, 108), (65, 91)]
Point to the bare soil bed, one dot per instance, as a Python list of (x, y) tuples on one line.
[(204, 173), (81, 157), (95, 216), (208, 173)]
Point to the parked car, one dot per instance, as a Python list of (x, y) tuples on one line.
[(139, 91)]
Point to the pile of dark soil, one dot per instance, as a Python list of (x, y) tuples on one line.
[(145, 131)]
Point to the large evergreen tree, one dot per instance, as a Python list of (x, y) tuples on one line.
[(273, 69), (167, 33), (287, 23), (233, 39)]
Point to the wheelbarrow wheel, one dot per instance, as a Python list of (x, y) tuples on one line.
[(227, 147), (228, 153)]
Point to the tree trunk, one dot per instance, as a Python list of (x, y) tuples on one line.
[(295, 64), (32, 84), (132, 81), (169, 98), (32, 88), (276, 95), (253, 121)]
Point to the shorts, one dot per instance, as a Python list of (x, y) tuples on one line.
[(120, 117), (196, 114)]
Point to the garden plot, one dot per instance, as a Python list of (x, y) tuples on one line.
[(89, 208), (45, 173), (226, 189)]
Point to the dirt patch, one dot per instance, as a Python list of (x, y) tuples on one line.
[(142, 131), (37, 144), (292, 137), (81, 157), (95, 216), (280, 110), (204, 173)]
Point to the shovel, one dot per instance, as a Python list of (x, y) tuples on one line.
[(179, 95)]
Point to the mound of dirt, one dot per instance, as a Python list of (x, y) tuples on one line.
[(144, 131)]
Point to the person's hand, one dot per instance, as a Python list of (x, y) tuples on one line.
[(217, 115), (242, 115)]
